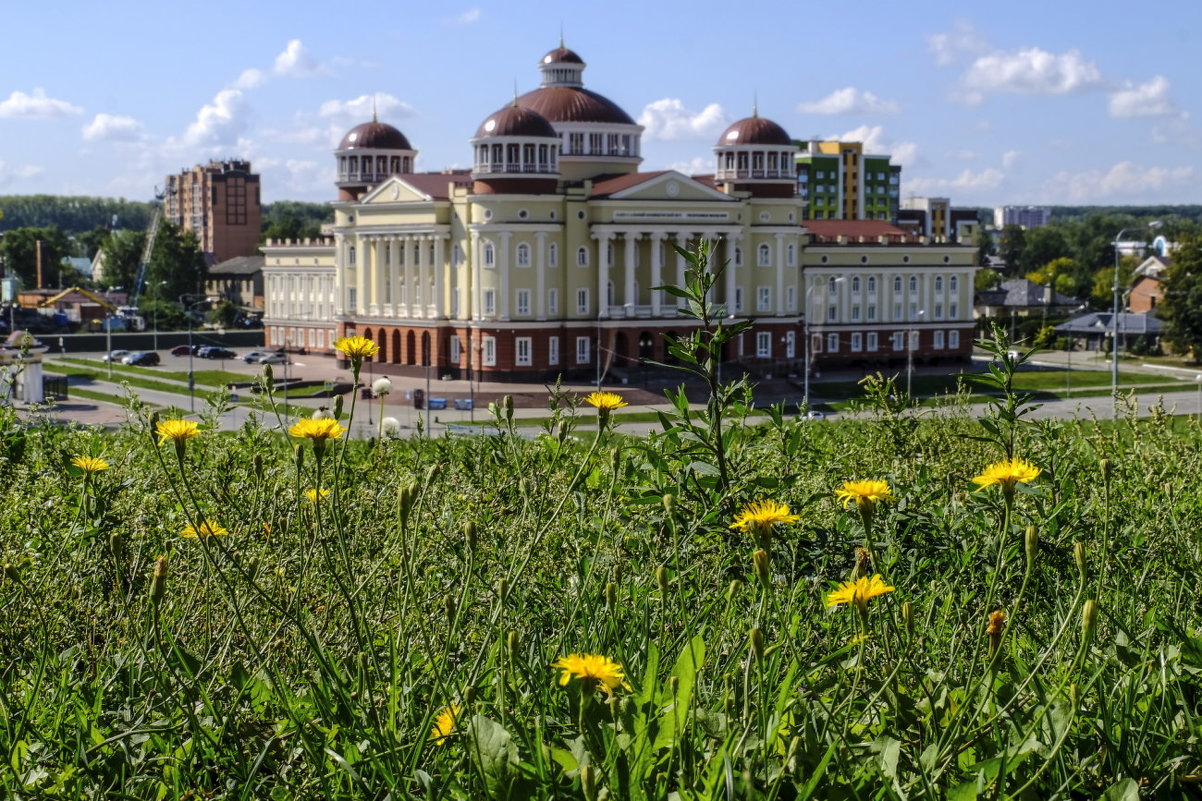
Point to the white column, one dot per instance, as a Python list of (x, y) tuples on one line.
[(780, 275), (410, 283), (394, 273), (378, 275), (628, 298), (682, 242), (503, 276), (540, 276), (732, 275), (657, 271), (339, 276), (474, 271), (438, 303), (361, 279), (603, 266)]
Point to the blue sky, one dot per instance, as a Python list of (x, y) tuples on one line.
[(986, 103)]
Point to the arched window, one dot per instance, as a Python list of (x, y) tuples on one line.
[(489, 256), (763, 256), (553, 255), (897, 284), (855, 285), (582, 257), (831, 284), (939, 283), (914, 283), (953, 284), (791, 256), (738, 257), (871, 283), (523, 255)]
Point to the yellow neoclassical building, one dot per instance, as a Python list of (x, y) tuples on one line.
[(543, 258)]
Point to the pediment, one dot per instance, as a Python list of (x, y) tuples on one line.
[(672, 186), (395, 190)]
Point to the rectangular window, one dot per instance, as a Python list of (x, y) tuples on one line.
[(490, 351), (913, 311), (938, 340), (455, 302), (351, 298), (856, 342), (790, 344), (763, 298), (522, 349), (791, 298), (490, 301), (582, 350), (938, 311), (953, 340), (899, 339), (832, 343), (453, 349), (914, 340), (738, 299), (553, 255), (953, 312), (871, 341), (763, 344), (523, 301), (897, 311), (855, 314), (871, 312), (553, 302), (832, 313), (582, 301), (553, 350)]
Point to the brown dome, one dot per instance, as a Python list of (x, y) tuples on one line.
[(572, 104), (561, 55), (754, 131), (516, 121), (376, 136)]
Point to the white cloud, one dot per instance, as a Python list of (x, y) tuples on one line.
[(966, 181), (36, 106), (875, 143), (1177, 131), (468, 17), (668, 119), (295, 62), (698, 165), (219, 122), (8, 174), (112, 128), (296, 177), (1123, 181), (1029, 71), (1011, 158), (360, 108), (1149, 99), (962, 40), (850, 101), (250, 78)]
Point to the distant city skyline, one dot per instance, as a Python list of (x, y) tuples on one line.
[(1005, 104)]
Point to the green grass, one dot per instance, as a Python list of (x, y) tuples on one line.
[(308, 652), (210, 378)]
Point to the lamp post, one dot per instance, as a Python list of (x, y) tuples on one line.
[(910, 337), (1114, 324), (805, 332), (188, 307)]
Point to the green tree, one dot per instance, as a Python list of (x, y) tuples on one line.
[(223, 314), (177, 267), (1010, 245), (1181, 308), (984, 246), (1043, 245), (122, 253), (20, 250), (1101, 293)]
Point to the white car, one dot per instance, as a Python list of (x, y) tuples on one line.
[(115, 356), (274, 358)]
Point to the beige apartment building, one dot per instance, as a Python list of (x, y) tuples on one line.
[(219, 202)]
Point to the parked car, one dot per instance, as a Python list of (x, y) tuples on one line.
[(253, 356), (182, 350), (142, 358), (115, 356), (813, 415), (217, 353), (274, 358)]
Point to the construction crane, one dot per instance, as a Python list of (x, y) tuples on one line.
[(152, 233), (126, 316)]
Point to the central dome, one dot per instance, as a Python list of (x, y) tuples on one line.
[(754, 131), (571, 104), (562, 55), (516, 121), (374, 135)]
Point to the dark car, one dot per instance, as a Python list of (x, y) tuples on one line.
[(217, 353), (142, 358), (181, 350)]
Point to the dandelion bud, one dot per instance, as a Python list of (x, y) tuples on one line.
[(997, 625), (158, 580), (448, 604), (1089, 622), (612, 702), (761, 562), (154, 421), (1074, 696), (756, 638), (268, 373), (907, 612), (1079, 558), (669, 502), (469, 535), (588, 782), (618, 573), (503, 589), (611, 595), (11, 573), (673, 685), (507, 405), (661, 579), (116, 544), (732, 590), (863, 564), (1104, 466), (513, 643), (1031, 544), (257, 462), (405, 501), (337, 408), (469, 694)]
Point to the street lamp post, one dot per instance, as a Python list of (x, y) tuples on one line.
[(1114, 324)]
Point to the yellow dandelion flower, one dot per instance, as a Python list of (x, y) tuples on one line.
[(858, 592), (206, 529), (316, 429), (594, 669), (177, 430), (357, 347), (763, 514), (314, 495), (605, 400), (444, 724), (1007, 474), (90, 464), (864, 493)]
